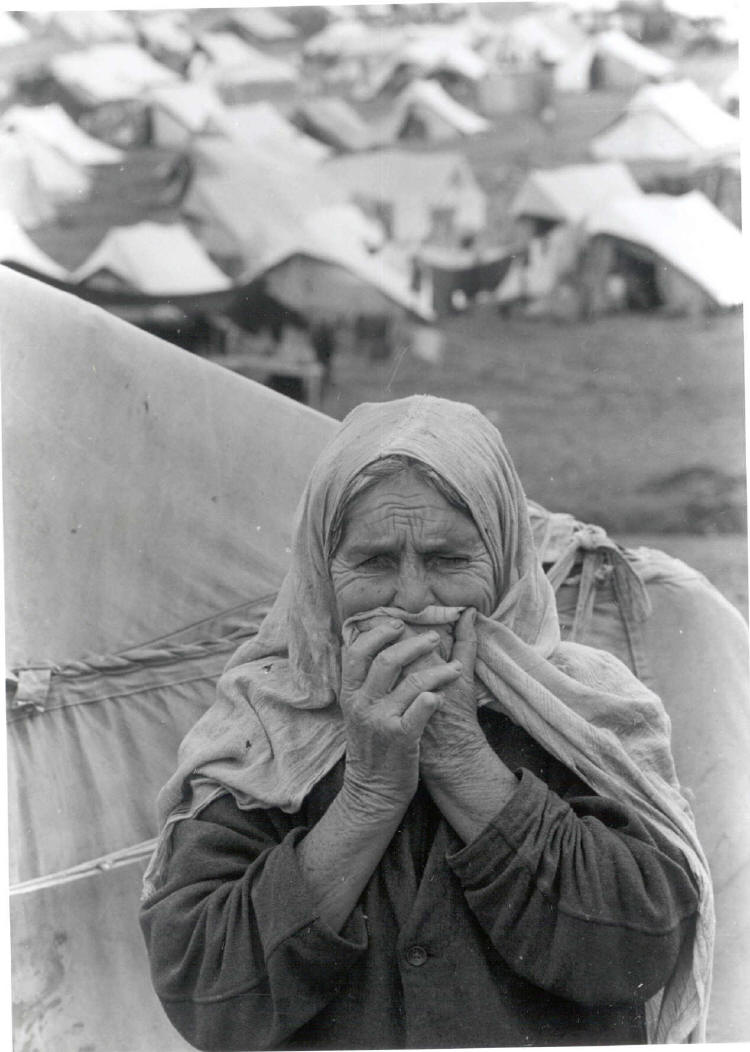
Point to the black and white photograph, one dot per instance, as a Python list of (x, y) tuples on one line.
[(374, 526)]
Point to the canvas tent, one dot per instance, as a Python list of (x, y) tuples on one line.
[(569, 193), (414, 194), (552, 38), (166, 35), (20, 190), (335, 123), (668, 128), (109, 73), (57, 179), (16, 247), (621, 62), (154, 258), (94, 27), (52, 125), (259, 124), (424, 111), (263, 25), (12, 32), (149, 500), (181, 111), (239, 71), (697, 253)]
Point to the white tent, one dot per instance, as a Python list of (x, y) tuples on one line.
[(552, 37), (411, 191), (181, 111), (11, 31), (568, 194), (687, 232), (350, 38), (225, 60), (264, 24), (166, 33), (17, 247), (20, 190), (424, 110), (153, 258), (622, 62), (52, 125), (110, 73), (673, 123), (94, 26), (260, 124), (730, 91), (59, 180)]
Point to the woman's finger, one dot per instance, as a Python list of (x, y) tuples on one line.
[(415, 719), (358, 656), (465, 641), (388, 666), (424, 680)]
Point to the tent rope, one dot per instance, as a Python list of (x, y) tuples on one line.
[(114, 860)]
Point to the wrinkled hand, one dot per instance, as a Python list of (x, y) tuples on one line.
[(387, 702), (453, 738)]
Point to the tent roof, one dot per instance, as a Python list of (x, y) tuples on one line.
[(435, 54), (158, 259), (110, 73), (350, 38), (167, 30), (17, 247), (196, 106), (231, 59), (394, 174), (431, 96), (264, 23), (569, 193), (337, 121), (11, 31), (134, 504), (20, 191), (60, 179), (687, 231), (622, 47), (52, 125), (261, 122), (692, 112), (94, 26)]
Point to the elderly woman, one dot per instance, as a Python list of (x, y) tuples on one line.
[(414, 817)]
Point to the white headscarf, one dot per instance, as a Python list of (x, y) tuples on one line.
[(276, 727)]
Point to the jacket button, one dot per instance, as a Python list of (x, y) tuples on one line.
[(416, 956)]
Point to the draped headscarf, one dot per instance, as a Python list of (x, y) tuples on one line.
[(276, 727)]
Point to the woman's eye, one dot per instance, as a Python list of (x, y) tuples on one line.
[(451, 561), (376, 562)]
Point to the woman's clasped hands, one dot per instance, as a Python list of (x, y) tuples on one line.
[(406, 710)]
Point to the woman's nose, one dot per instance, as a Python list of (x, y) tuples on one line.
[(414, 590)]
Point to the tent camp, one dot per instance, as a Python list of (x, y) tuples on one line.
[(17, 249), (681, 250), (549, 37), (155, 258), (414, 194), (425, 112), (621, 62), (335, 123), (245, 210), (109, 73), (149, 499), (181, 111), (568, 194), (52, 125), (238, 71), (667, 129)]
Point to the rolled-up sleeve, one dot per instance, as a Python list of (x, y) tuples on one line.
[(576, 897), (239, 957)]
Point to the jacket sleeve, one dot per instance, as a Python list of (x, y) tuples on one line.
[(239, 957), (576, 897)]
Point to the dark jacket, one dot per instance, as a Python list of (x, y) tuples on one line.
[(552, 927)]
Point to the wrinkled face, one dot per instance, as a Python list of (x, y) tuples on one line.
[(404, 545)]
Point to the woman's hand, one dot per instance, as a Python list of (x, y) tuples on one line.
[(453, 737), (386, 706)]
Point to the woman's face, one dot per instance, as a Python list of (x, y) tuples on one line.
[(404, 545)]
